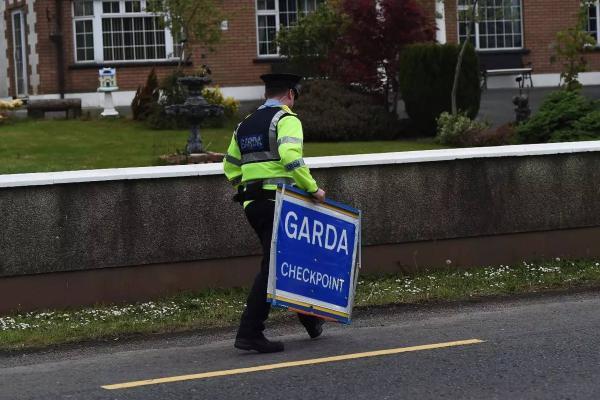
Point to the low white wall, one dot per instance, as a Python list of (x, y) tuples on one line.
[(425, 156)]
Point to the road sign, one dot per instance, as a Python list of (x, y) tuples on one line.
[(315, 255)]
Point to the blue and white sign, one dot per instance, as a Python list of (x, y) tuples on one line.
[(315, 255)]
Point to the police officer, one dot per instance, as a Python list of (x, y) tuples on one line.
[(266, 150)]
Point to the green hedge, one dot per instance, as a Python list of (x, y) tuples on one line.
[(426, 79), (332, 111), (564, 116)]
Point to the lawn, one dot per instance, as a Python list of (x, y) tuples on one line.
[(60, 145), (221, 308)]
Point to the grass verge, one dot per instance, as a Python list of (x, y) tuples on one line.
[(63, 145), (222, 308)]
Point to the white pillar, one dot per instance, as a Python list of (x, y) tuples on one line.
[(440, 22), (109, 107), (32, 40), (4, 81)]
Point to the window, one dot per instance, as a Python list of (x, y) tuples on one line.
[(84, 32), (119, 31), (18, 30), (593, 18), (498, 25), (273, 15)]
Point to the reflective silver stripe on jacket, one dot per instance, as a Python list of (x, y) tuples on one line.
[(231, 159), (273, 181), (289, 139), (295, 164), (267, 155)]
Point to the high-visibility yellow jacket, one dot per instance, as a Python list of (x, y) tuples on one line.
[(268, 145)]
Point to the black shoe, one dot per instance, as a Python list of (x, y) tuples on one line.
[(260, 344), (316, 329)]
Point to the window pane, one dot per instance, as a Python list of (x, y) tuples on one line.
[(83, 8), (593, 21), (499, 23), (265, 4), (134, 38), (133, 6), (110, 7), (84, 40)]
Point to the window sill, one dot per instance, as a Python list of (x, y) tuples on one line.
[(501, 51), (268, 60), (127, 64)]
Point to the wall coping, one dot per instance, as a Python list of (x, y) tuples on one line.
[(408, 157)]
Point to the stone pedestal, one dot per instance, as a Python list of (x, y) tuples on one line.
[(109, 108)]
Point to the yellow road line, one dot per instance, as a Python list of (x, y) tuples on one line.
[(289, 364)]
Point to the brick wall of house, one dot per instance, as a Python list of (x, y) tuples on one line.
[(542, 19), (233, 63), (46, 47)]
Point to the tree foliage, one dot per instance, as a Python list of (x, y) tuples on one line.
[(308, 45), (569, 47), (359, 41), (370, 49), (190, 21)]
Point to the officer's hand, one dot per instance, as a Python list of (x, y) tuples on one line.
[(319, 195)]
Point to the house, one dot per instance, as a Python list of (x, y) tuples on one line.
[(50, 48)]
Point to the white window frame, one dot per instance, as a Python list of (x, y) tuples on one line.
[(23, 52), (94, 33), (475, 34), (273, 12), (597, 32), (266, 13), (99, 40)]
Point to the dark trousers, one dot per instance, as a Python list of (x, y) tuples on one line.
[(260, 215)]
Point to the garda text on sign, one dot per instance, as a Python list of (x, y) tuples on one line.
[(315, 255)]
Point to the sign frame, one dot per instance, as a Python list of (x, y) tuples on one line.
[(301, 303)]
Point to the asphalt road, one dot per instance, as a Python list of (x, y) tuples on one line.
[(535, 348)]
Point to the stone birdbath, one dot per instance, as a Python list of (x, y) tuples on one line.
[(195, 109)]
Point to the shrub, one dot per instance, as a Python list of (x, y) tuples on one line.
[(8, 105), (585, 128), (500, 136), (558, 115), (145, 97), (215, 96), (332, 111), (426, 79), (458, 130)]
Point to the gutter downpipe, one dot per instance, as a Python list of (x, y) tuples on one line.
[(57, 38)]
